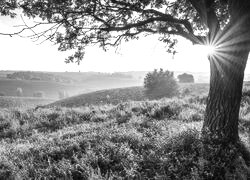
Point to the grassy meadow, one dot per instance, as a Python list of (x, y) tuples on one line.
[(149, 139), (51, 83), (118, 95), (110, 96), (22, 102), (50, 89)]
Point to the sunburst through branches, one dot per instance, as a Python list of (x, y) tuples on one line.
[(224, 47)]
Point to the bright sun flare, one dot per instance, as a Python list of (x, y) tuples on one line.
[(209, 49)]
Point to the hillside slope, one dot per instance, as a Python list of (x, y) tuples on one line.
[(50, 89), (115, 96), (22, 102), (131, 140), (111, 96)]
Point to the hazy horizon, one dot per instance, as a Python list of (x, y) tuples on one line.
[(145, 54)]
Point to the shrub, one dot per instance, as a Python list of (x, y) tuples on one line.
[(19, 92), (188, 114), (245, 92), (164, 112), (160, 84), (186, 92), (39, 94), (186, 78), (123, 117), (245, 96)]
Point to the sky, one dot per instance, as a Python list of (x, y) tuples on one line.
[(144, 54)]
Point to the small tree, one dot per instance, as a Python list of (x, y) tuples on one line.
[(186, 78), (19, 92), (160, 84)]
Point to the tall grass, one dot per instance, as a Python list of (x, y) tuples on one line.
[(131, 140)]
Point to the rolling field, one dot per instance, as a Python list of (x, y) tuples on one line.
[(131, 140), (143, 139), (115, 96), (111, 96), (50, 89), (128, 140), (22, 102), (72, 83)]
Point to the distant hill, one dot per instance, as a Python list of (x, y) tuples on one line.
[(111, 96), (52, 82), (38, 76), (50, 89), (75, 83), (22, 102), (115, 96)]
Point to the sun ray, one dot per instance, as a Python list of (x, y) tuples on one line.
[(217, 64), (234, 40), (209, 49), (228, 57), (227, 32)]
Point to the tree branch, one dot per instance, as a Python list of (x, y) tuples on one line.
[(205, 9)]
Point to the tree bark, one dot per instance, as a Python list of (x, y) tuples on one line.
[(223, 104), (227, 67)]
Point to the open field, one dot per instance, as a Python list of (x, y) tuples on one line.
[(131, 140), (115, 96), (22, 102), (51, 89), (111, 96), (118, 95), (157, 139)]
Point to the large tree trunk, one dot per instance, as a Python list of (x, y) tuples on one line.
[(227, 67), (226, 81)]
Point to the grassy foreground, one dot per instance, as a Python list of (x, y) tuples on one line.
[(131, 140)]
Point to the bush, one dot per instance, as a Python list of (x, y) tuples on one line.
[(39, 94), (245, 99), (19, 92), (245, 92), (186, 92), (160, 84), (186, 78)]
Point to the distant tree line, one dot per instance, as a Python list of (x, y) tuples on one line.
[(121, 75), (100, 75), (37, 76), (88, 76)]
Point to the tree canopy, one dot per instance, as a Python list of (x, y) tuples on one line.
[(7, 7), (76, 24), (186, 78), (159, 84)]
